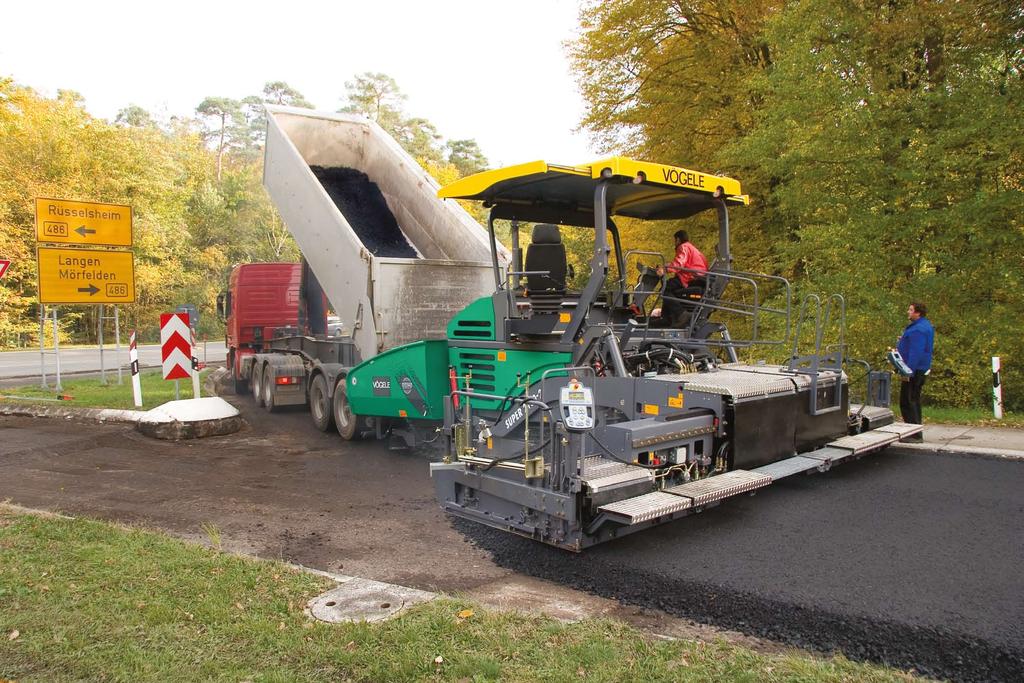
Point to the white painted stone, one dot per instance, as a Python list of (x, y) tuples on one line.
[(191, 410)]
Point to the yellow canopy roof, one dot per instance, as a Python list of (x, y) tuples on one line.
[(539, 191)]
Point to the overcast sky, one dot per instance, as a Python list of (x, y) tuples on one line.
[(489, 70)]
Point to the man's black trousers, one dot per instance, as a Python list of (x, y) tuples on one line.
[(910, 397)]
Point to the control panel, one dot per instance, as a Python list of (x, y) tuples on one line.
[(577, 403)]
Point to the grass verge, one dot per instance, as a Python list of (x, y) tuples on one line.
[(89, 393), (85, 600), (980, 417)]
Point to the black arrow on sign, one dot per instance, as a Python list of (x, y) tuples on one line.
[(92, 289), (83, 231)]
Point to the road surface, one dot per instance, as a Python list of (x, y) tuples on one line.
[(18, 364), (908, 558)]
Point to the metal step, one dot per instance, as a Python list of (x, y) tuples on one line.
[(704, 491), (789, 467), (600, 474), (868, 441), (902, 429), (646, 507)]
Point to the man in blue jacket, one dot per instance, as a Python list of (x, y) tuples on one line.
[(915, 346)]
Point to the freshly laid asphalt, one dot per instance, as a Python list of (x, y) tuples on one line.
[(907, 557)]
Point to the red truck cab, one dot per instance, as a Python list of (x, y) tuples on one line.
[(261, 298)]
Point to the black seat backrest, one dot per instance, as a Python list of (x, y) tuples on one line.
[(546, 253)]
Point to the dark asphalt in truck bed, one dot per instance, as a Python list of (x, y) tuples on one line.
[(364, 207), (909, 558)]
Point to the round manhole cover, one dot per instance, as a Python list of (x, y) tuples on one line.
[(363, 600)]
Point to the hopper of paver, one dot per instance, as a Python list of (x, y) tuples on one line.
[(395, 261)]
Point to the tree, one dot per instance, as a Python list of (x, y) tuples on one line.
[(279, 92), (466, 156), (274, 92), (377, 96), (420, 138), (135, 116), (229, 121), (878, 140)]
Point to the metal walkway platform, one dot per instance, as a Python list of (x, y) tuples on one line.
[(646, 507), (683, 496), (704, 491), (694, 494), (600, 473)]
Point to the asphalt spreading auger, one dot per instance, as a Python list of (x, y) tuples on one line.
[(575, 417)]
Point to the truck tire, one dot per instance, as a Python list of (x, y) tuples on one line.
[(320, 405), (256, 384), (349, 426), (241, 385), (268, 390)]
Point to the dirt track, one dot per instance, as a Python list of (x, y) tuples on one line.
[(907, 558)]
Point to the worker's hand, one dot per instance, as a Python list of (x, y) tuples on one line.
[(660, 270)]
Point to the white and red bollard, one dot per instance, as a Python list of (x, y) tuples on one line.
[(997, 389), (195, 363), (133, 359)]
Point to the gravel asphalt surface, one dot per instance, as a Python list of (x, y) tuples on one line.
[(907, 558)]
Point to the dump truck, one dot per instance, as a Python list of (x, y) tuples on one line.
[(380, 249)]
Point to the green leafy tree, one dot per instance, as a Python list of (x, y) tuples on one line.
[(377, 96), (135, 116), (466, 156), (420, 138), (878, 141), (279, 92), (229, 126), (274, 92)]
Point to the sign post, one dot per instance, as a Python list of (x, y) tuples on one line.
[(99, 338), (117, 345), (42, 346), (72, 275), (56, 349)]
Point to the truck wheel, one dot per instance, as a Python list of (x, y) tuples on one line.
[(241, 386), (349, 426), (256, 384), (320, 404), (268, 390)]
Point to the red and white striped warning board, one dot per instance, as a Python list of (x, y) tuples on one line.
[(175, 345)]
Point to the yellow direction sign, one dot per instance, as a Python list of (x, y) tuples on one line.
[(69, 222), (85, 276)]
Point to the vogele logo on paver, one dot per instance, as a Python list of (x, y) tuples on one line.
[(381, 386)]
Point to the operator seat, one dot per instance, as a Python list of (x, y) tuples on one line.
[(546, 253)]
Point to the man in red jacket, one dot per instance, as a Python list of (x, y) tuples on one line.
[(689, 267)]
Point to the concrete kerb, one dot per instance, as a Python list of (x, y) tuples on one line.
[(174, 420), (93, 414), (931, 447)]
